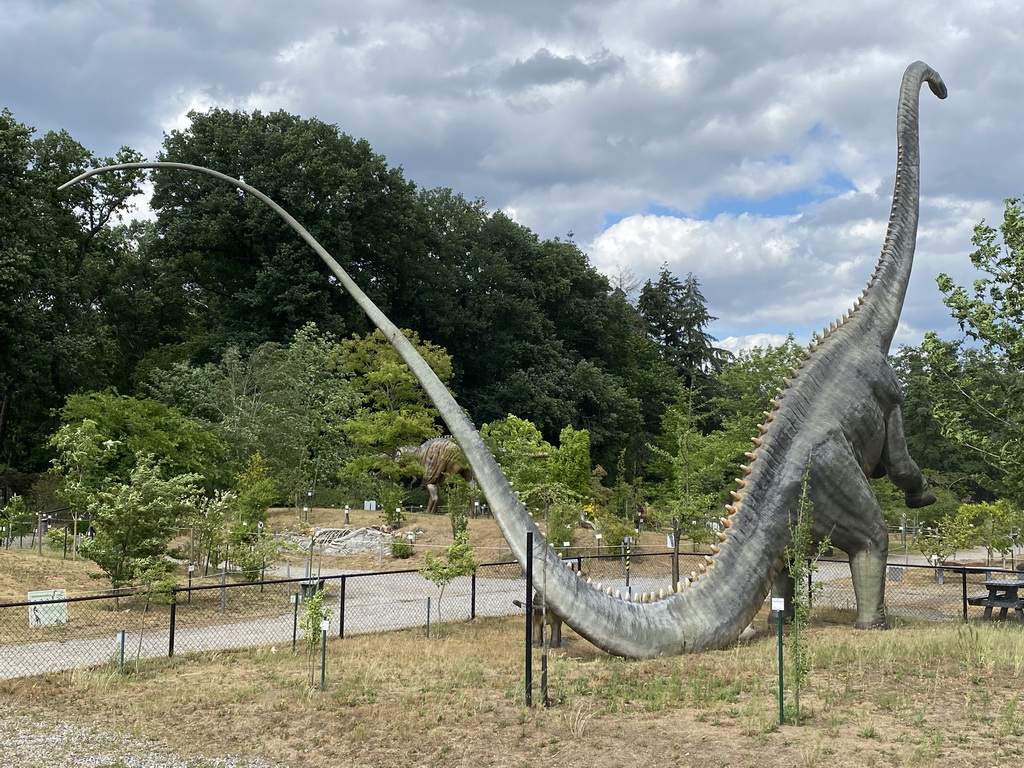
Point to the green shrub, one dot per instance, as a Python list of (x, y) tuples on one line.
[(401, 549), (55, 539), (614, 530)]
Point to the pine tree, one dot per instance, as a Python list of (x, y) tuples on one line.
[(677, 317)]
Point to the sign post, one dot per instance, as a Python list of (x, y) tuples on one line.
[(779, 606), (324, 626)]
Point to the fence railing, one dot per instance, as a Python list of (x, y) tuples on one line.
[(97, 629)]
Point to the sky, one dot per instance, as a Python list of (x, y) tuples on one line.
[(751, 143)]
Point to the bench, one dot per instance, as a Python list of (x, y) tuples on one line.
[(1004, 604)]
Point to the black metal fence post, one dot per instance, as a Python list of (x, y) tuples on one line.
[(173, 621), (295, 620), (341, 607), (529, 619), (472, 596), (963, 591)]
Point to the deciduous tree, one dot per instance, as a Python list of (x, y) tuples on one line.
[(251, 280), (133, 521), (69, 277), (980, 390), (129, 427)]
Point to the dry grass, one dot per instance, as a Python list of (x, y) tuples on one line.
[(924, 694), (433, 532), (22, 570)]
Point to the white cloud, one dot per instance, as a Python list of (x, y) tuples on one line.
[(736, 344), (726, 245), (308, 49), (572, 114)]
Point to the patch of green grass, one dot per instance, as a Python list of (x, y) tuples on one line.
[(1010, 722), (706, 687)]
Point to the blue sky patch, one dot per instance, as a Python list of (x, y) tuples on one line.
[(787, 204)]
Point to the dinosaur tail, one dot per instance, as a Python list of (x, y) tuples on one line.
[(707, 609), (882, 301)]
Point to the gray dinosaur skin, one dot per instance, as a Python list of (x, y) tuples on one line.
[(840, 412)]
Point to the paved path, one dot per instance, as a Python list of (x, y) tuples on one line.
[(371, 605), (368, 608)]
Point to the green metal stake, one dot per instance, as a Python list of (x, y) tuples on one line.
[(779, 606), (295, 620)]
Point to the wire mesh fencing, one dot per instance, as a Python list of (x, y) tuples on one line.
[(42, 636), (45, 635), (48, 635), (912, 590)]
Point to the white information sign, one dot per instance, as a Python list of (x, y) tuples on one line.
[(47, 614), (778, 604)]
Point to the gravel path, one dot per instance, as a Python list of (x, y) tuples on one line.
[(26, 742)]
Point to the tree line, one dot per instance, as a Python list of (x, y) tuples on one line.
[(207, 347)]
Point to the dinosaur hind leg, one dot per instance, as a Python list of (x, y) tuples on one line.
[(432, 504), (847, 512)]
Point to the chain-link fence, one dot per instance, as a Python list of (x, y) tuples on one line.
[(52, 633), (912, 590), (44, 635)]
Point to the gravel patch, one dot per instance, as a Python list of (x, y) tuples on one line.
[(26, 742)]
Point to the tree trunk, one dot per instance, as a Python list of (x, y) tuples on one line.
[(5, 405)]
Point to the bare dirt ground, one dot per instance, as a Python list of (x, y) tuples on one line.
[(433, 533)]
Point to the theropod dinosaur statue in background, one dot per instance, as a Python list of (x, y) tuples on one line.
[(839, 415), (439, 456)]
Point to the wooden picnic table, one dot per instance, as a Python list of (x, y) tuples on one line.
[(1002, 594)]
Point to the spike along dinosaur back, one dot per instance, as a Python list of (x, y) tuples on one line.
[(839, 415)]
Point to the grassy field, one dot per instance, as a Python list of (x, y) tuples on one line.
[(23, 569), (923, 694)]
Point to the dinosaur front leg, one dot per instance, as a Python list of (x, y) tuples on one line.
[(902, 469)]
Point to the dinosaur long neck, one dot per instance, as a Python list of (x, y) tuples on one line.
[(878, 309)]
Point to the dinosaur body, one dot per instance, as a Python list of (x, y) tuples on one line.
[(840, 414), (439, 457)]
